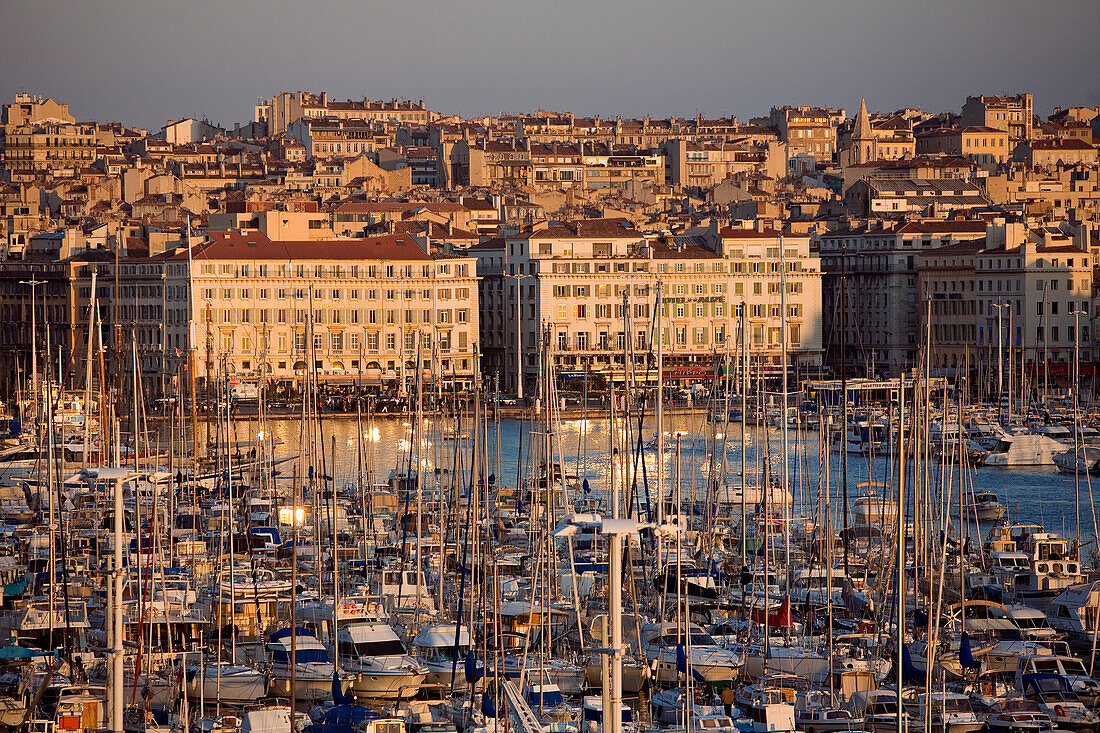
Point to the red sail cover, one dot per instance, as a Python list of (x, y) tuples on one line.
[(779, 618)]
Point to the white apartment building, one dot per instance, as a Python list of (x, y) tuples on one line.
[(1044, 276), (361, 309), (588, 287)]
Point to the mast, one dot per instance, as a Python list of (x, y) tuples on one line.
[(900, 580), (660, 407), (117, 654), (844, 399), (783, 424), (191, 348), (744, 435)]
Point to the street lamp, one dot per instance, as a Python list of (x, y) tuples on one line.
[(519, 332), (1000, 343), (618, 529)]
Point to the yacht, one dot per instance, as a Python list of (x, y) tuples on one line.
[(1074, 611), (1056, 698), (947, 712), (1028, 449), (1070, 667), (225, 682), (1083, 459), (313, 670), (436, 647), (374, 654), (875, 509), (704, 656), (986, 507)]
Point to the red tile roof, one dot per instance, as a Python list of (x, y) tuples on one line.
[(256, 246)]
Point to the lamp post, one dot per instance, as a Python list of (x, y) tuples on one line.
[(519, 331), (618, 529), (1000, 343)]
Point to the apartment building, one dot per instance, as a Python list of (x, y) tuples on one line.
[(806, 130), (1044, 274), (1009, 113), (615, 167), (30, 109), (700, 165), (875, 266), (901, 197), (55, 148), (986, 146), (287, 107), (948, 306), (1048, 154), (360, 310), (586, 290), (328, 137)]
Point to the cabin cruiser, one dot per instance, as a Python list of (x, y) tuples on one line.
[(226, 682), (1056, 698), (878, 709), (769, 703), (1074, 611), (1028, 449), (1053, 569), (875, 509), (986, 507), (1032, 623), (947, 712), (1083, 459), (816, 712), (704, 656), (313, 670), (383, 669), (1014, 715), (444, 656), (1069, 667)]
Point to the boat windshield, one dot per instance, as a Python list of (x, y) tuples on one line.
[(382, 648)]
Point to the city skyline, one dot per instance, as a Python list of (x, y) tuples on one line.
[(144, 66)]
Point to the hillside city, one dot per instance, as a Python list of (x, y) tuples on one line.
[(356, 239)]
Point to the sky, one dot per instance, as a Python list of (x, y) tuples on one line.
[(143, 62)]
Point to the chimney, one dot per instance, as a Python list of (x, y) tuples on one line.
[(324, 99)]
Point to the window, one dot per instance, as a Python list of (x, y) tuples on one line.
[(582, 310)]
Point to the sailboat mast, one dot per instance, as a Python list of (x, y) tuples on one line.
[(900, 569)]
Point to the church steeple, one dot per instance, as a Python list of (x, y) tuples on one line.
[(862, 146), (862, 129)]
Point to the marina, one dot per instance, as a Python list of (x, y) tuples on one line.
[(690, 565)]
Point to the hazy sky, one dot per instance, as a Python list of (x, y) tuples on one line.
[(142, 61)]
